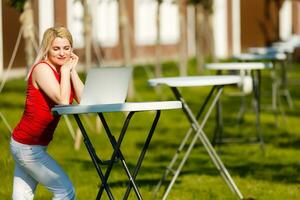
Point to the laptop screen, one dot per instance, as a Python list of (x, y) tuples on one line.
[(106, 85)]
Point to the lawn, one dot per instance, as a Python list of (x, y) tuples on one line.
[(263, 176)]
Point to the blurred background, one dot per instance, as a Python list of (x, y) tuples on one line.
[(127, 32), (166, 38)]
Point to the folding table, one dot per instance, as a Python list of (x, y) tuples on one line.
[(288, 50), (217, 83), (271, 50), (117, 154), (279, 86), (255, 69)]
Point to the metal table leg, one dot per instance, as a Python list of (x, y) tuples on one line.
[(256, 87), (143, 152), (169, 168), (284, 85), (117, 154), (93, 155), (206, 143)]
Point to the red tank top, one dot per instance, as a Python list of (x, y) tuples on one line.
[(37, 124)]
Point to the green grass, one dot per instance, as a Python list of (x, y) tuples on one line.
[(273, 175)]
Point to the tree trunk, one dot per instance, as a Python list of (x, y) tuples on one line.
[(125, 39), (209, 34), (158, 69), (87, 20), (207, 30), (198, 37), (27, 28), (183, 57), (124, 33)]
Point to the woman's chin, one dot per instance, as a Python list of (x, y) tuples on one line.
[(60, 62)]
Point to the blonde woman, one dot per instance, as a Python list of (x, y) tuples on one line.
[(52, 80)]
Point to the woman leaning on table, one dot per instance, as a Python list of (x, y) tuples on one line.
[(52, 80)]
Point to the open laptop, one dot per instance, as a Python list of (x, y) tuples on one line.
[(106, 85)]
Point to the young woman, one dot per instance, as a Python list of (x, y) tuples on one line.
[(52, 80)]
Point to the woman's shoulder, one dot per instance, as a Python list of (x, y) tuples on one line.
[(43, 70), (42, 66), (42, 63)]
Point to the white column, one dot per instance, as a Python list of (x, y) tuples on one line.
[(75, 22), (1, 42), (285, 20), (220, 28), (105, 22), (145, 29), (46, 16), (236, 26), (169, 23), (191, 31)]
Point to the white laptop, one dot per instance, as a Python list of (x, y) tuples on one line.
[(106, 85)]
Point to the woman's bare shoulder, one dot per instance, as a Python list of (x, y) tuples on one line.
[(42, 67), (42, 71)]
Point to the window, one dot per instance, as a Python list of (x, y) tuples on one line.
[(145, 26)]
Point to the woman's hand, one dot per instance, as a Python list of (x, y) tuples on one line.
[(68, 66), (76, 82), (71, 63), (75, 59)]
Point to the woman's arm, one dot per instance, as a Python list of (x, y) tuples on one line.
[(44, 79), (76, 81), (77, 85)]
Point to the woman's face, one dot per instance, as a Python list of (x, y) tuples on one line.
[(59, 52)]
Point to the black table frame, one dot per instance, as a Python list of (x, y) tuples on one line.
[(116, 155), (256, 81), (197, 128)]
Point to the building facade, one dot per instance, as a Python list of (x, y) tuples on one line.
[(237, 25)]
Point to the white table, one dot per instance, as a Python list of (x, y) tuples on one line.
[(276, 50), (239, 66), (271, 50), (257, 57), (279, 85), (292, 43), (117, 154), (217, 83), (254, 68)]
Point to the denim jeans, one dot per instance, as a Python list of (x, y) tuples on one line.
[(34, 165)]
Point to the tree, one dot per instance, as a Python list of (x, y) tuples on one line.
[(183, 57), (158, 68), (203, 30), (87, 23), (27, 28), (124, 28)]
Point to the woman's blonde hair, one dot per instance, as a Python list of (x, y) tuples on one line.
[(49, 35)]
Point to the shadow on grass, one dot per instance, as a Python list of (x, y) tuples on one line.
[(292, 143), (280, 172), (283, 139), (287, 173), (146, 168), (19, 87), (139, 182), (11, 105)]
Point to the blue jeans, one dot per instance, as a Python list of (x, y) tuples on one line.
[(34, 165)]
